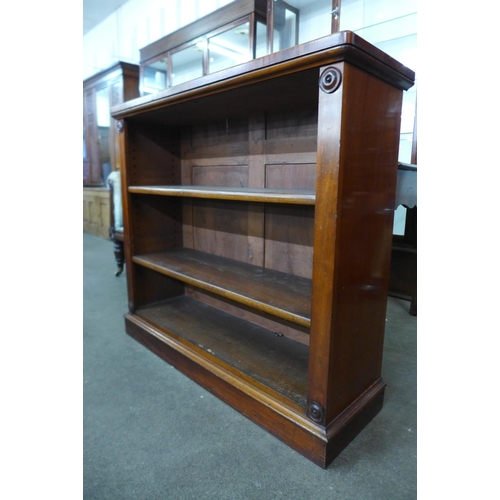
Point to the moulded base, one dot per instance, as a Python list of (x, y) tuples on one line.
[(278, 415)]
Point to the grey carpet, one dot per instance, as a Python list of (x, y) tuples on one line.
[(151, 433)]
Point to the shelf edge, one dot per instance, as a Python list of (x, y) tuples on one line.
[(251, 196), (242, 299)]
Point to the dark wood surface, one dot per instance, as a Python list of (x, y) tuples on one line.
[(254, 353), (354, 216), (283, 295), (268, 125)]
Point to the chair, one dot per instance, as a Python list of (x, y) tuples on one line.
[(116, 219)]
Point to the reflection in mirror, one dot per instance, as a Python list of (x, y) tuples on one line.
[(103, 124), (229, 48), (187, 63), (155, 77)]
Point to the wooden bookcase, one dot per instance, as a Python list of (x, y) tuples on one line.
[(258, 205)]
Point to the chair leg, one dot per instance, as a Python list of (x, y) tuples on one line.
[(413, 303), (119, 256)]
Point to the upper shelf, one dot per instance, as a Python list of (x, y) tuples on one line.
[(291, 196)]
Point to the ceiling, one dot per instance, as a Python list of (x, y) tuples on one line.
[(95, 11)]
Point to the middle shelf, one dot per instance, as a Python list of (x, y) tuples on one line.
[(280, 294), (292, 196)]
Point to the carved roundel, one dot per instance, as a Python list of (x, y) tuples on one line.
[(330, 80), (315, 412)]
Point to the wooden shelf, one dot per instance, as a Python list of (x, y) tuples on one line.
[(273, 292), (292, 196), (253, 353)]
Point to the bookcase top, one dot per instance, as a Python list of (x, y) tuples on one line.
[(343, 46)]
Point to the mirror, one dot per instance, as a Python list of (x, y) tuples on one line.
[(103, 129)]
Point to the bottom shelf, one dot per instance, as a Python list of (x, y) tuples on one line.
[(259, 356), (262, 376)]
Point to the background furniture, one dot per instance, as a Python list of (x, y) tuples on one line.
[(116, 219), (110, 87), (101, 154), (403, 283), (238, 32), (258, 206), (403, 280), (230, 35), (96, 211)]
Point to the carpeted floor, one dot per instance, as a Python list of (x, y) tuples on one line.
[(151, 433)]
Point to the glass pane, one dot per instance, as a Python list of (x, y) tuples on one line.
[(314, 21), (261, 40), (103, 124), (357, 14), (399, 221), (285, 27), (187, 63), (405, 145), (229, 48), (154, 78)]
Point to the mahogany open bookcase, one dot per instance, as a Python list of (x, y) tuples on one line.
[(258, 206)]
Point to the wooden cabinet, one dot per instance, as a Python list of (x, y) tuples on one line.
[(96, 209), (258, 211), (108, 88)]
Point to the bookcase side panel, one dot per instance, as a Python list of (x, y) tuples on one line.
[(368, 174), (360, 255)]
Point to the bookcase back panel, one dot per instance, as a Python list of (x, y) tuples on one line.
[(220, 175), (228, 229), (272, 323), (224, 131), (154, 287), (155, 155), (156, 223), (292, 123), (289, 239), (289, 231)]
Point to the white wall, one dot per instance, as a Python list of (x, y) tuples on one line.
[(136, 24)]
